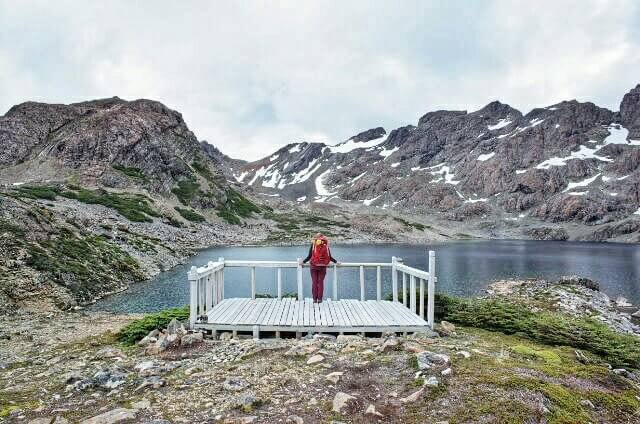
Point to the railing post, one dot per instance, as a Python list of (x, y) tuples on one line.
[(394, 279), (422, 298), (412, 294), (362, 297), (335, 282), (431, 288), (253, 282), (378, 283), (193, 295), (299, 279), (405, 301), (201, 297), (279, 283), (221, 281), (209, 284)]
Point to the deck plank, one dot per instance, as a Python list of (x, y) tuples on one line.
[(289, 314), (219, 309), (241, 313)]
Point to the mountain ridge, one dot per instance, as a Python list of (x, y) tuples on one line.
[(570, 163)]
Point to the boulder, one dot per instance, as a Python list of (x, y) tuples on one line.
[(622, 302), (341, 401), (413, 397), (315, 359), (192, 339), (389, 344), (234, 384), (153, 382), (111, 417), (428, 359), (371, 411), (446, 328), (334, 377)]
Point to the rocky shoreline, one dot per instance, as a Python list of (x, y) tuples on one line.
[(68, 367)]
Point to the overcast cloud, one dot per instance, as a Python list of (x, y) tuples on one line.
[(250, 77)]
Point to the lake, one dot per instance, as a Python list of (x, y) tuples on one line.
[(463, 268)]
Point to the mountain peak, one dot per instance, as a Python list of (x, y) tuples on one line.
[(368, 135)]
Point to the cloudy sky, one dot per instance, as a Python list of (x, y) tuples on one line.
[(252, 76)]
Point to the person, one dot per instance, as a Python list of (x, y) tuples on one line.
[(320, 256)]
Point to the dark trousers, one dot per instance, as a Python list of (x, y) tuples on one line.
[(317, 281)]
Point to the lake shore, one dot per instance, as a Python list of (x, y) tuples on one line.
[(69, 366)]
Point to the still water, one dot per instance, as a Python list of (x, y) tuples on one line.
[(463, 268)]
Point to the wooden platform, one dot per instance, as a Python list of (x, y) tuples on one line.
[(292, 315)]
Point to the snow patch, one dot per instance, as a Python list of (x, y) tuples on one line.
[(520, 171), (444, 173), (536, 121), (358, 177), (386, 153), (394, 165), (238, 178), (619, 135), (301, 199), (351, 145), (475, 200), (368, 202), (320, 187), (501, 124), (578, 193), (583, 152), (582, 183), (296, 148), (306, 173), (274, 157), (486, 157)]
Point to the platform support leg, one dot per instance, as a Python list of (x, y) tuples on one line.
[(234, 333), (277, 334), (256, 332), (298, 335), (214, 334)]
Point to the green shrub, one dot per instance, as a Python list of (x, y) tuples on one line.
[(132, 172), (8, 227), (203, 170), (37, 192), (83, 264), (552, 328), (236, 207), (418, 226), (134, 207), (186, 190), (190, 215), (136, 330)]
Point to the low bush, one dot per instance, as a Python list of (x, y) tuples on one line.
[(189, 215), (552, 328), (134, 207), (186, 190), (136, 330), (132, 172)]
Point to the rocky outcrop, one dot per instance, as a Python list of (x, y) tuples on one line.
[(140, 144), (630, 112)]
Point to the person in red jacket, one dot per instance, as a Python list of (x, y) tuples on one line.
[(320, 257)]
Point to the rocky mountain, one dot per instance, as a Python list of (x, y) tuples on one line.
[(569, 166), (99, 194)]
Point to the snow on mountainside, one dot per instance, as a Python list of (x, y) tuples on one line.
[(491, 162)]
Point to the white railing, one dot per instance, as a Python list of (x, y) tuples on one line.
[(206, 288)]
